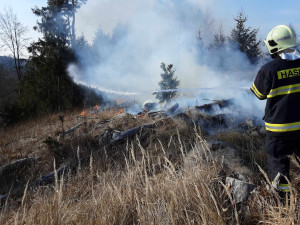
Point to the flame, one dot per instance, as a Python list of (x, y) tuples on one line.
[(96, 107), (119, 111), (83, 113)]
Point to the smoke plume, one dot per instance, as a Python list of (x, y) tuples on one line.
[(131, 39)]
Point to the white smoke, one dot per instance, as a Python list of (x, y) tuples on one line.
[(132, 38)]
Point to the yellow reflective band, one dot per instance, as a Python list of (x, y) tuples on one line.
[(284, 187), (284, 90), (260, 95), (282, 130), (283, 127), (256, 92)]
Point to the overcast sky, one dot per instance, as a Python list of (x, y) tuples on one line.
[(261, 14)]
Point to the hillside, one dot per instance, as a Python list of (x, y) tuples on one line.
[(7, 63), (159, 167), (8, 81)]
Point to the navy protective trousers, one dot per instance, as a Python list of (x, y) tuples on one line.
[(278, 150)]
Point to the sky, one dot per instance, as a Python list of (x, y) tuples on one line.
[(261, 14)]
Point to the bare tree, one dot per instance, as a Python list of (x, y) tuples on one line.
[(12, 38)]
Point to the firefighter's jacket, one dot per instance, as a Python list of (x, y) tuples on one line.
[(279, 82)]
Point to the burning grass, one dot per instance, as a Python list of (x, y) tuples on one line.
[(165, 175)]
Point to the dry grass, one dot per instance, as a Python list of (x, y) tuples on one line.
[(250, 147), (27, 139), (170, 179), (137, 194)]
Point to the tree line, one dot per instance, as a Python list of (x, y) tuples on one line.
[(43, 85)]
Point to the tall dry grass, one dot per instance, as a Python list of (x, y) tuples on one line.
[(150, 190), (26, 139)]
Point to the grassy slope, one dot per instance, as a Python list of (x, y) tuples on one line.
[(157, 179)]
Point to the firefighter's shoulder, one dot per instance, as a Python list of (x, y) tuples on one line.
[(271, 65)]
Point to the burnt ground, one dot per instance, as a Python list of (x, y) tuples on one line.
[(31, 151), (157, 152)]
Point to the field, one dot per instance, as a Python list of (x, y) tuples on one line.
[(167, 174)]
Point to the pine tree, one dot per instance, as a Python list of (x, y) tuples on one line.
[(73, 6), (65, 12), (246, 38), (168, 82), (46, 87)]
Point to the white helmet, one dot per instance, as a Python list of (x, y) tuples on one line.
[(280, 38)]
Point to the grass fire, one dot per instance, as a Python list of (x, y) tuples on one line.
[(149, 112), (170, 167)]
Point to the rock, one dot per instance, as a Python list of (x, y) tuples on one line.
[(240, 190)]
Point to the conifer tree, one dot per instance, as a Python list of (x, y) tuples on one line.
[(168, 82), (246, 39), (46, 87)]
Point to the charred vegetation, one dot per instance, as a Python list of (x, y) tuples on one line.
[(141, 152)]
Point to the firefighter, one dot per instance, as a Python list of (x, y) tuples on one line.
[(279, 82)]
